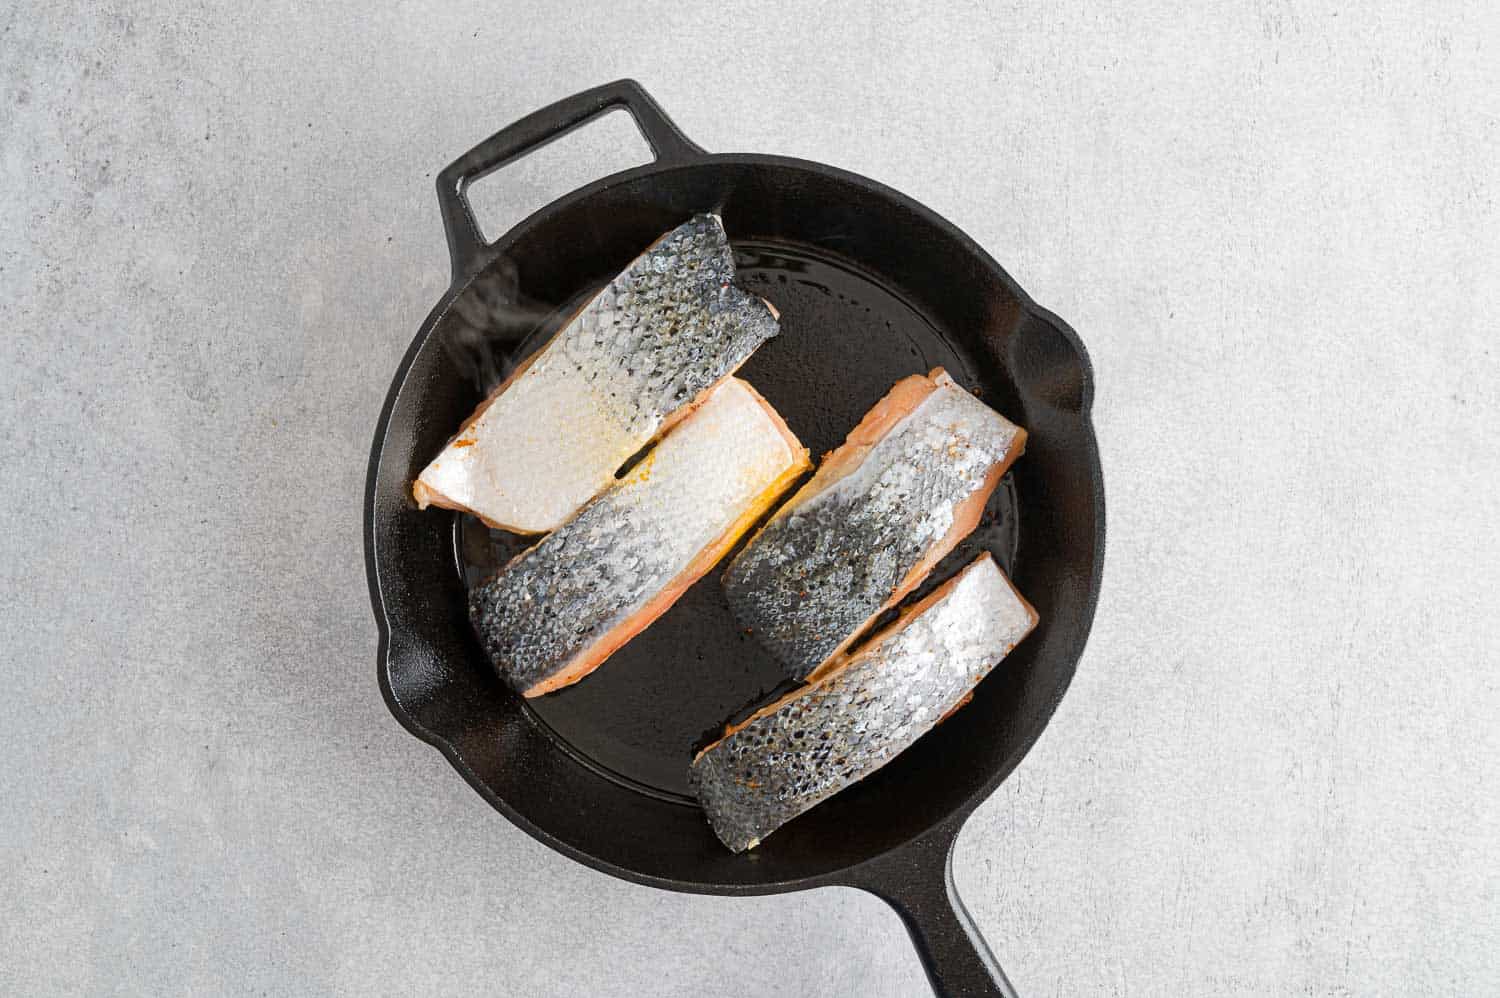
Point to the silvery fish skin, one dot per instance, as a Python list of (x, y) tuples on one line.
[(561, 607), (865, 711), (652, 342), (879, 514)]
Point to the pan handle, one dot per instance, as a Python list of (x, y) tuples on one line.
[(917, 881), (466, 244)]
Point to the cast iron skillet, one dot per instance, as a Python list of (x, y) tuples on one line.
[(871, 286)]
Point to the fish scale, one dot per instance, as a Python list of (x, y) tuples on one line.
[(665, 330), (831, 559), (660, 527), (864, 712), (665, 317)]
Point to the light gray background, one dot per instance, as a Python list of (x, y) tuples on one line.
[(1274, 224)]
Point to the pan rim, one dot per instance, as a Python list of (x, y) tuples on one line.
[(946, 826)]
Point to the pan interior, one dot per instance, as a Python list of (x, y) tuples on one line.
[(845, 339), (597, 771)]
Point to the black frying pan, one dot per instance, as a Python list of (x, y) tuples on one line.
[(871, 286)]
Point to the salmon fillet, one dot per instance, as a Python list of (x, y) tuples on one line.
[(641, 353), (563, 606), (866, 709), (909, 482)]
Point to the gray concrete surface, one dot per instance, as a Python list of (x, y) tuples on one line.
[(1274, 223)]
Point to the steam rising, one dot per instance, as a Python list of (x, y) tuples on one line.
[(490, 324)]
